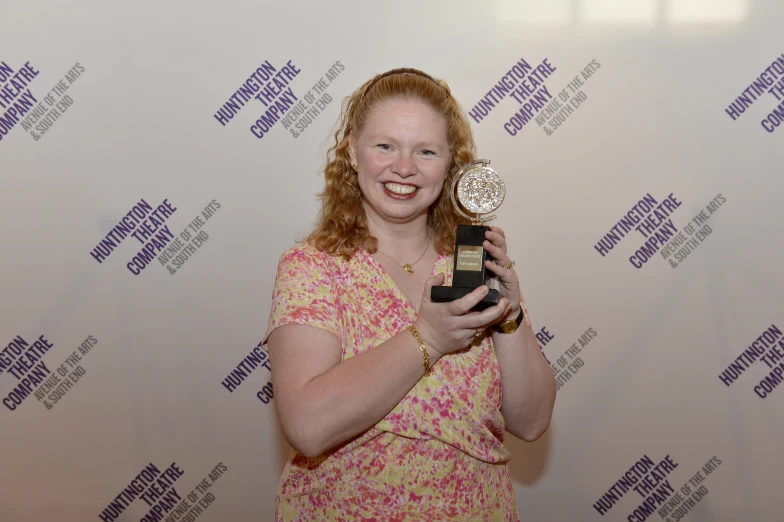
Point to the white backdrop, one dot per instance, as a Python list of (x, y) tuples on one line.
[(106, 106)]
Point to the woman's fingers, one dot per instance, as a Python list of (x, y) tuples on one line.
[(464, 305), (496, 237), (498, 270), (488, 316), (430, 282)]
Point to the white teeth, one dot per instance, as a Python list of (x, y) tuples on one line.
[(399, 189)]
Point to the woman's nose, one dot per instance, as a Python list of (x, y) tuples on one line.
[(404, 166)]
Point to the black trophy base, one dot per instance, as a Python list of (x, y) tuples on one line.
[(447, 294), (469, 272)]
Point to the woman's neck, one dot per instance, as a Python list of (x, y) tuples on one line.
[(401, 240)]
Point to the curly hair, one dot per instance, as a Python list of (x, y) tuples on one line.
[(341, 227)]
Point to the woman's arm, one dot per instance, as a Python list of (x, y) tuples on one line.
[(527, 380), (322, 402)]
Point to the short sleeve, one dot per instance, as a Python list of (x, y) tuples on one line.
[(304, 293)]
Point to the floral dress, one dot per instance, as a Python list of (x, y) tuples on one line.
[(439, 454)]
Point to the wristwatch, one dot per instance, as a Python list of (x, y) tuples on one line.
[(509, 326)]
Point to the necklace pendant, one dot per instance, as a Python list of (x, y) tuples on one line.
[(408, 268)]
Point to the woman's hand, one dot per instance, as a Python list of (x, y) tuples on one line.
[(495, 244), (448, 327)]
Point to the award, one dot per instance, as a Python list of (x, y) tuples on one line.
[(480, 190)]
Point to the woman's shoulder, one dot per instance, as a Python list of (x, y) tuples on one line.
[(304, 253), (301, 248), (301, 253)]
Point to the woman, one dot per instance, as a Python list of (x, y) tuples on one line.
[(393, 403)]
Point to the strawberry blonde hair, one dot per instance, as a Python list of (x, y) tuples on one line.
[(341, 227)]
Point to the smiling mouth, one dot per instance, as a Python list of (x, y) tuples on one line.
[(400, 189)]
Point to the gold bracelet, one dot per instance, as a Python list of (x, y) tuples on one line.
[(425, 356)]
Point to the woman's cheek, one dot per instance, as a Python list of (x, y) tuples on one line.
[(377, 162)]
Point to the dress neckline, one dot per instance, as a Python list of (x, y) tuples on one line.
[(390, 282)]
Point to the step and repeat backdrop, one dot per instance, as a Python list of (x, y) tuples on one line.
[(157, 158)]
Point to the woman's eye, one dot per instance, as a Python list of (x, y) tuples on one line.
[(384, 146), (427, 152)]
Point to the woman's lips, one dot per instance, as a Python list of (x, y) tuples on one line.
[(400, 191)]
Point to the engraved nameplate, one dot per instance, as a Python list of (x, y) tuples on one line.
[(469, 258)]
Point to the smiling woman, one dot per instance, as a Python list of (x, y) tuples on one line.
[(401, 159), (393, 403)]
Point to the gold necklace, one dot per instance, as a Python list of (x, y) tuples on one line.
[(408, 267)]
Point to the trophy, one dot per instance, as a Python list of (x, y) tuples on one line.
[(480, 190)]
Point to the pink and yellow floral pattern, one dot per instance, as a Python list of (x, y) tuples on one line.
[(439, 454)]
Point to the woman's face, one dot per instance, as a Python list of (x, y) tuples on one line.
[(402, 156)]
